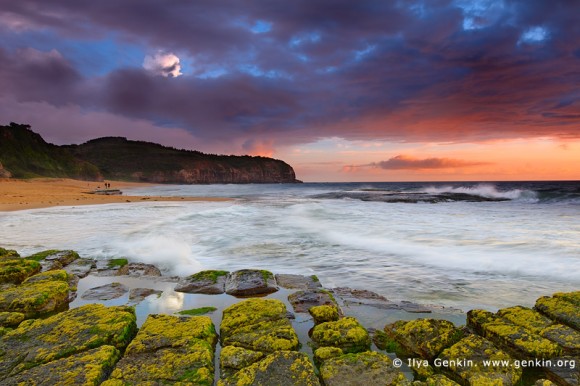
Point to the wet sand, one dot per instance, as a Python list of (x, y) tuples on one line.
[(48, 192)]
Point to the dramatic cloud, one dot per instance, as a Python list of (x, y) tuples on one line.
[(407, 162), (165, 64), (260, 76)]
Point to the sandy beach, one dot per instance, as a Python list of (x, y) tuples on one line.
[(47, 192)]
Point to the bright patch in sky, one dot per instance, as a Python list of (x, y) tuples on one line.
[(479, 14), (164, 64), (534, 35), (313, 37), (261, 27)]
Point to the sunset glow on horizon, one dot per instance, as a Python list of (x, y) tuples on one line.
[(453, 90)]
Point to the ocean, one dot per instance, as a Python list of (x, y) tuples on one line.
[(463, 245)]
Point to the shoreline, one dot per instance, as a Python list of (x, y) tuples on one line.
[(40, 193)]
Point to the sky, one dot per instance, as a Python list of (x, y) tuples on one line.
[(342, 90)]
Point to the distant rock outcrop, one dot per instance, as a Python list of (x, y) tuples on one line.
[(25, 154)]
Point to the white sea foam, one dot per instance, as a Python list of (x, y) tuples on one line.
[(485, 190)]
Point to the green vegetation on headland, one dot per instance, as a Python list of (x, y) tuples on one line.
[(24, 154), (41, 341)]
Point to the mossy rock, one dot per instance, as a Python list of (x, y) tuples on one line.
[(234, 358), (11, 319), (81, 267), (302, 301), (557, 308), (477, 318), (211, 282), (564, 371), (567, 338), (367, 368), (544, 382), (388, 344), (54, 259), (283, 368), (56, 275), (8, 253), (440, 380), (40, 341), (86, 368), (323, 353), (525, 317), (346, 334), (464, 362), (424, 337), (259, 325), (35, 299), (249, 282), (571, 297), (324, 313), (197, 311), (170, 349), (15, 271)]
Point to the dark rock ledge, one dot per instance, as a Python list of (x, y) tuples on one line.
[(44, 342)]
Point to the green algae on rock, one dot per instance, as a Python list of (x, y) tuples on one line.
[(40, 341), (259, 325), (346, 334), (324, 313), (282, 368), (56, 275), (366, 368), (439, 380), (424, 337), (465, 362), (302, 301), (35, 299), (170, 349), (8, 253), (16, 270), (197, 311), (54, 259), (85, 368), (323, 353), (211, 282)]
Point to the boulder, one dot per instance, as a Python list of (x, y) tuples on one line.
[(138, 270), (346, 334), (35, 299), (233, 359), (258, 325), (80, 267), (464, 362), (54, 259), (248, 282), (324, 313), (282, 368), (300, 282), (16, 270), (85, 368), (424, 337), (105, 292), (302, 300), (168, 350), (366, 368), (323, 353), (560, 309), (205, 282), (40, 341)]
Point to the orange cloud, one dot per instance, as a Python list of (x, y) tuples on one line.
[(408, 162)]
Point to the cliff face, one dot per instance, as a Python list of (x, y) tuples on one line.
[(25, 154), (119, 158)]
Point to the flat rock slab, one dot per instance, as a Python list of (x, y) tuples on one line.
[(424, 337), (209, 282), (35, 299), (248, 282), (169, 349), (352, 296), (233, 359), (302, 301), (560, 309), (258, 325), (138, 270), (105, 292), (39, 341), (300, 282), (86, 368), (464, 361), (80, 267), (283, 368), (346, 334), (564, 371), (137, 295), (54, 259), (16, 270), (367, 368)]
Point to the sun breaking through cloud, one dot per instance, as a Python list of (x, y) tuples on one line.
[(164, 64)]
